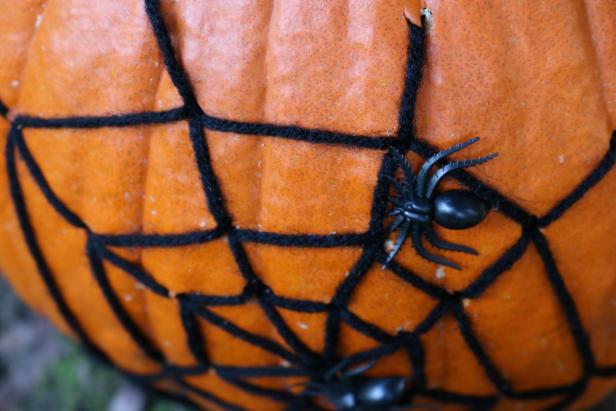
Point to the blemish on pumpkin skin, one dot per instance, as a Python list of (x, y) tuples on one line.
[(426, 13), (389, 245)]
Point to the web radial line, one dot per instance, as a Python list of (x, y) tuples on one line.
[(413, 279), (401, 339), (605, 371), (378, 352), (192, 330), (144, 118), (506, 206), (476, 348), (272, 394), (174, 371), (449, 397), (604, 167), (220, 300), (159, 240), (238, 332), (248, 372), (287, 334), (370, 330), (208, 396), (132, 329), (38, 176), (132, 270), (174, 68), (4, 110), (217, 207), (417, 357), (495, 270), (305, 306), (19, 204), (568, 400), (306, 355), (580, 336), (209, 183), (340, 301), (365, 261), (303, 240), (414, 65), (547, 392), (293, 132)]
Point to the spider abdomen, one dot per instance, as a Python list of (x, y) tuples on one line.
[(459, 209)]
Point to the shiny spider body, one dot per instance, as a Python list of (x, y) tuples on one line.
[(417, 205), (352, 391)]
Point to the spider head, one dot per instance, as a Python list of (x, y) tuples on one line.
[(417, 210), (459, 209)]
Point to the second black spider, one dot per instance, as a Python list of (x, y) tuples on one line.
[(417, 205)]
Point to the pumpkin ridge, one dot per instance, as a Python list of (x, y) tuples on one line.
[(214, 194), (593, 46), (147, 320)]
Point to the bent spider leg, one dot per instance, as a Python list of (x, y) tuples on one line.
[(361, 369), (425, 168), (404, 233), (397, 221), (406, 167), (417, 233), (352, 372), (447, 168), (438, 242)]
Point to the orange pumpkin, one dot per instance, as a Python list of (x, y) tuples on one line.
[(196, 191)]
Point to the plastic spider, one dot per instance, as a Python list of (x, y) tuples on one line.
[(416, 205), (352, 391)]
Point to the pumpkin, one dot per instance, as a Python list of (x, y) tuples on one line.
[(198, 193)]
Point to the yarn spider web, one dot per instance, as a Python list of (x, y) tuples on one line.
[(303, 361)]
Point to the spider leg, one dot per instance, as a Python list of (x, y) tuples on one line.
[(360, 369), (399, 188), (417, 233), (404, 232), (438, 242), (425, 168), (396, 223), (406, 167), (443, 171)]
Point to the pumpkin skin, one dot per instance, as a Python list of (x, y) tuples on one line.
[(536, 81)]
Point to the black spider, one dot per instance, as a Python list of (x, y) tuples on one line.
[(352, 391), (417, 205)]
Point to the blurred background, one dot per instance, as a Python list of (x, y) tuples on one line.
[(41, 370)]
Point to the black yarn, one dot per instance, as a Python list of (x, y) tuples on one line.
[(114, 120), (4, 110), (302, 361)]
